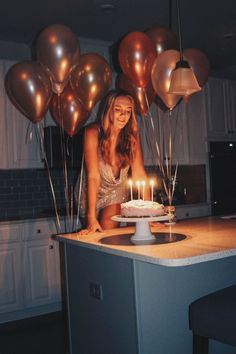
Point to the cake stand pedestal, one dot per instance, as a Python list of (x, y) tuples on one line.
[(142, 233)]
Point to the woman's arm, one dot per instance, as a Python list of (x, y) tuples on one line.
[(90, 145)]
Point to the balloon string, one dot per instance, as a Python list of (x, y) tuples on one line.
[(63, 153), (29, 133), (168, 182), (40, 135), (72, 185), (158, 151), (80, 190)]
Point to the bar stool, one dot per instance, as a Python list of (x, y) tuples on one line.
[(213, 317)]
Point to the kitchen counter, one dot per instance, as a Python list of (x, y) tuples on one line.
[(134, 299), (206, 239)]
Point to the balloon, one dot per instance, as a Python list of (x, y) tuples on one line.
[(163, 38), (143, 97), (29, 89), (68, 112), (198, 61), (161, 73), (58, 51), (136, 56), (91, 79)]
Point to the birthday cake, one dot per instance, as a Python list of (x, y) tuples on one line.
[(141, 208)]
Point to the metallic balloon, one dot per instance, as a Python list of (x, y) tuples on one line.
[(68, 112), (136, 57), (163, 38), (161, 73), (58, 51), (198, 61), (29, 89), (91, 79), (143, 97)]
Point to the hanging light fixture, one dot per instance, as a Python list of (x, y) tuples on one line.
[(183, 81)]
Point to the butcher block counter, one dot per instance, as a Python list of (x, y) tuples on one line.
[(133, 299)]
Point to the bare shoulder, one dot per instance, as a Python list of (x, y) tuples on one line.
[(91, 136), (92, 131)]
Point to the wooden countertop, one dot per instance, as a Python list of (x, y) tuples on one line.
[(207, 239)]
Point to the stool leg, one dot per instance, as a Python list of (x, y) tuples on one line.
[(200, 344)]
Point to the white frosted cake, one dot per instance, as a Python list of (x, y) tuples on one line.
[(140, 208)]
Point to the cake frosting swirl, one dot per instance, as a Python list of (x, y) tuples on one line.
[(140, 208)]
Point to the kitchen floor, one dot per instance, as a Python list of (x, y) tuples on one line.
[(45, 334)]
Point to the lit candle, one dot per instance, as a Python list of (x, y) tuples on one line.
[(151, 185), (138, 186), (143, 184), (131, 189)]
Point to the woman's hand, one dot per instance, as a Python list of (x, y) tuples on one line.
[(92, 226)]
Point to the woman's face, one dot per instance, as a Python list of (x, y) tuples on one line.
[(122, 110)]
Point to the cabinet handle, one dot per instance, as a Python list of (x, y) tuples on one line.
[(51, 247), (38, 231)]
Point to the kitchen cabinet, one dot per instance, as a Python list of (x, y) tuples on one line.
[(11, 280), (186, 124), (30, 270), (19, 150), (41, 265), (192, 211), (221, 109)]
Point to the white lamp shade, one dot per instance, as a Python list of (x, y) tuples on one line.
[(183, 82)]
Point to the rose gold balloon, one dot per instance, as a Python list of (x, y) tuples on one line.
[(58, 51), (136, 56), (143, 97), (91, 79), (163, 38), (29, 89), (68, 112), (198, 61), (161, 73)]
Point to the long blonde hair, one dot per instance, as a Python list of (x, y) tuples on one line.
[(126, 144)]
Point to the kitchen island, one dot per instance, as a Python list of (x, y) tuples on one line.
[(133, 299)]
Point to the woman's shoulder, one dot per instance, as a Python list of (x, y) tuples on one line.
[(92, 130)]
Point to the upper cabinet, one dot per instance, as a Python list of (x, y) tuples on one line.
[(20, 147), (179, 135), (221, 109)]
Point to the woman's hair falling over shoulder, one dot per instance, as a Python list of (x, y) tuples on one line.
[(126, 144)]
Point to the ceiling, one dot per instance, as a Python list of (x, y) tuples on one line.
[(208, 25)]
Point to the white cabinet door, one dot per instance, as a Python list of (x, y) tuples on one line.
[(41, 263), (195, 111), (184, 126), (221, 107), (173, 135), (11, 277), (41, 283), (20, 152), (230, 91)]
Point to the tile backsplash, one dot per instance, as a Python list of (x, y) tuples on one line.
[(26, 194)]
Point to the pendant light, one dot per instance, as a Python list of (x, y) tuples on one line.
[(182, 81)]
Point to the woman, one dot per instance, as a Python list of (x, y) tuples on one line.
[(111, 147)]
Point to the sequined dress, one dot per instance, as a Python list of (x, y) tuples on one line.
[(111, 191)]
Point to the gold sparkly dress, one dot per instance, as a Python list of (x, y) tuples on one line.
[(111, 191)]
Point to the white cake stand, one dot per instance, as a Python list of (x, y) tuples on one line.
[(142, 233)]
